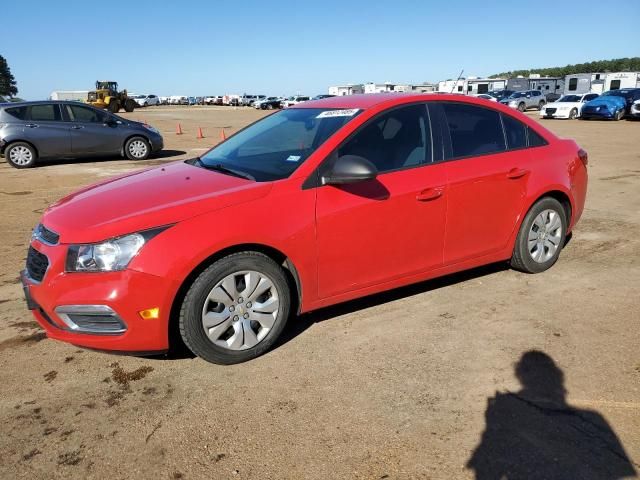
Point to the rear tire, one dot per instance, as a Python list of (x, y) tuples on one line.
[(541, 237), (114, 106), (20, 155), (137, 148), (237, 331)]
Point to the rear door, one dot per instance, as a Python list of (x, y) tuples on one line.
[(486, 179), (90, 134), (45, 129)]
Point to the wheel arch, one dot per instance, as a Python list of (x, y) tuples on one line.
[(276, 255)]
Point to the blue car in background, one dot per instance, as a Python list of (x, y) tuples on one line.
[(612, 105)]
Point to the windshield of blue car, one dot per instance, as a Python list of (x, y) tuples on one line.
[(569, 98), (274, 147)]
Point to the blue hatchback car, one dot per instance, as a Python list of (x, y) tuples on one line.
[(611, 105)]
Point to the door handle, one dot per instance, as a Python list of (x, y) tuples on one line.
[(517, 173), (31, 125), (429, 194), (77, 127)]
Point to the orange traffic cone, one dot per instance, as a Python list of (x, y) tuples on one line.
[(200, 135), (178, 130), (223, 136)]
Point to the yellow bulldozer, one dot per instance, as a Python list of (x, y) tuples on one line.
[(106, 95)]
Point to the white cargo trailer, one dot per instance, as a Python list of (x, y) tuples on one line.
[(75, 95)]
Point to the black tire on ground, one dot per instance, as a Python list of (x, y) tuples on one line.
[(541, 104), (619, 115), (522, 107), (521, 258), (114, 106), (129, 105), (137, 148), (573, 114), (24, 155), (269, 107), (190, 321)]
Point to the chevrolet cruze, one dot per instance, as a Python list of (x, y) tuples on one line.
[(317, 204)]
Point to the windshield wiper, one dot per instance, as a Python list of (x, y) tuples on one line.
[(218, 167)]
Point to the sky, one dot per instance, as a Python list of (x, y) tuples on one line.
[(191, 47)]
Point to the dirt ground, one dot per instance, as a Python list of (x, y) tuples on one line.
[(394, 386)]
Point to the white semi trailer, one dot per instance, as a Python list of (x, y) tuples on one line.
[(77, 95)]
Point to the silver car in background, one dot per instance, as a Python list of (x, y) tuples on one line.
[(34, 131), (525, 100)]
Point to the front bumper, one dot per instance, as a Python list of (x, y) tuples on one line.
[(90, 297), (601, 113), (157, 143), (555, 114)]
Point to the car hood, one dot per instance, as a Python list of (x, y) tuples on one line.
[(608, 101), (146, 199)]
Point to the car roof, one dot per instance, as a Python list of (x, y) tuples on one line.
[(44, 102), (365, 101)]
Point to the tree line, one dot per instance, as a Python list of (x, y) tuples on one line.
[(631, 64)]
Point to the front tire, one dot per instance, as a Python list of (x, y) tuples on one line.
[(522, 107), (619, 115), (137, 148), (20, 155), (541, 237), (129, 105), (114, 106), (541, 105), (236, 309), (573, 114)]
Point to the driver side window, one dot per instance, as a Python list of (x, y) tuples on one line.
[(395, 140), (82, 114)]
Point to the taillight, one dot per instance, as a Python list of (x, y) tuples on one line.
[(584, 156)]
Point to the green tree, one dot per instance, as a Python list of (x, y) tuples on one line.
[(7, 82), (614, 65)]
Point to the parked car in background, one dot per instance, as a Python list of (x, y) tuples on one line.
[(611, 105), (35, 131), (524, 100), (213, 100), (164, 100), (635, 109), (294, 100), (179, 100), (322, 95), (504, 189), (501, 94), (486, 96), (192, 101), (271, 103), (567, 106), (146, 100), (258, 103)]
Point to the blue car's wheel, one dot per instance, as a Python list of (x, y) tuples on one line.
[(619, 114)]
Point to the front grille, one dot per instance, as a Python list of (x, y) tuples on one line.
[(45, 235), (550, 111), (37, 264)]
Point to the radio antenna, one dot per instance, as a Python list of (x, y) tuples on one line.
[(457, 80)]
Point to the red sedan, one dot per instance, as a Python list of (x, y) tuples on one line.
[(317, 204)]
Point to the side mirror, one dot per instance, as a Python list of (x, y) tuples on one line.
[(350, 169)]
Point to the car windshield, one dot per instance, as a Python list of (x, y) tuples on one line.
[(570, 98), (272, 148), (518, 95)]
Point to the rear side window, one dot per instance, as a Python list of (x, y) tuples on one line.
[(515, 131), (473, 130), (18, 112), (44, 113), (82, 114), (535, 140)]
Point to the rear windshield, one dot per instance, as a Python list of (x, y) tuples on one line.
[(272, 148)]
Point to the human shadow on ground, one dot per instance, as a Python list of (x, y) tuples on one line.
[(535, 434)]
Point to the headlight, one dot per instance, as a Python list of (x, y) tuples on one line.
[(153, 129), (108, 256), (512, 102)]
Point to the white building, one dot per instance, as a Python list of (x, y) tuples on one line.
[(349, 89)]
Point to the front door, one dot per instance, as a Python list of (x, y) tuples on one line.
[(391, 227), (90, 134)]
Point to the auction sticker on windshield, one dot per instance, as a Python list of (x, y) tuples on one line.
[(338, 113)]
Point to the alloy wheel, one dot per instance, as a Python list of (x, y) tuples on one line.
[(545, 236), (240, 310), (138, 149), (20, 155)]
